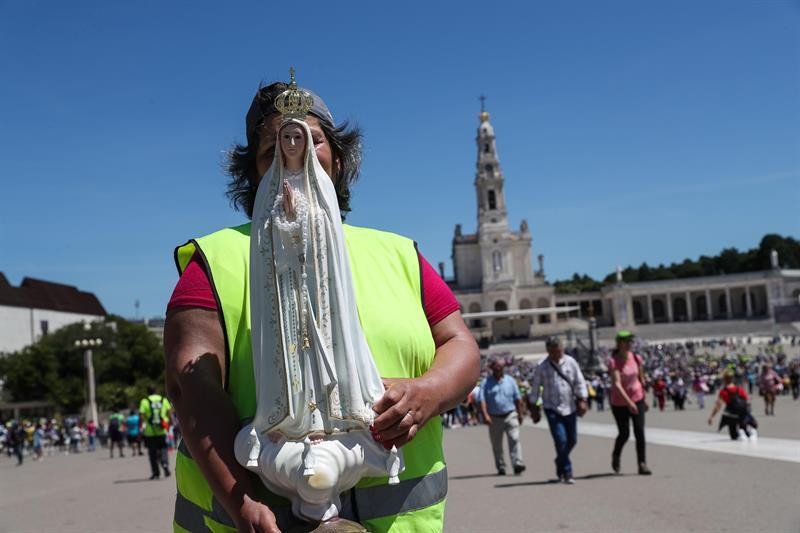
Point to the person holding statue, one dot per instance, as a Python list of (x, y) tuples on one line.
[(279, 341)]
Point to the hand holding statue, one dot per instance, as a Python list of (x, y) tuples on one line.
[(402, 411), (256, 517)]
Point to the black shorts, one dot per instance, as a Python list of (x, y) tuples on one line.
[(132, 439), (115, 435), (155, 442)]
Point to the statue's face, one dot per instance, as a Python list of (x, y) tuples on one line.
[(269, 142), (293, 143)]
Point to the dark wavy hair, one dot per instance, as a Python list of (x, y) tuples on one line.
[(345, 142)]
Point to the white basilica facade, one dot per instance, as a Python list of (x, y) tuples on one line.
[(492, 267), (493, 273)]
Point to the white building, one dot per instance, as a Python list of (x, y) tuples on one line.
[(37, 307), (492, 267), (766, 294), (493, 273)]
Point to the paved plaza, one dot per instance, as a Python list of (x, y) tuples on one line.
[(702, 482)]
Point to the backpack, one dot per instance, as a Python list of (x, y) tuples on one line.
[(156, 419), (737, 405), (113, 424)]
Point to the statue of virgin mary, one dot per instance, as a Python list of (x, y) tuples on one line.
[(316, 381)]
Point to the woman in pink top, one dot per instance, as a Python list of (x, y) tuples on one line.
[(770, 384), (627, 399)]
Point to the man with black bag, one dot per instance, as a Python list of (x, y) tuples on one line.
[(563, 399), (736, 414)]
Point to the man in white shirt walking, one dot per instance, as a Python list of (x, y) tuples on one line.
[(563, 399)]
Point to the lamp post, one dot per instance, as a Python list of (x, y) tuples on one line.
[(592, 336), (87, 344)]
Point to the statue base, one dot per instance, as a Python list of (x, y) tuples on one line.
[(339, 525), (313, 474)]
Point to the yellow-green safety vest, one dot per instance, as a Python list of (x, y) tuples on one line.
[(388, 285)]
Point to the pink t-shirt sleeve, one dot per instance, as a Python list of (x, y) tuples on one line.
[(193, 288), (437, 298)]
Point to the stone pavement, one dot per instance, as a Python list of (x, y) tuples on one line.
[(691, 489)]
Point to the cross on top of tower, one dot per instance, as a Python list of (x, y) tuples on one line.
[(484, 114)]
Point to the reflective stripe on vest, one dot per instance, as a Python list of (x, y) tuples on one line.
[(385, 268), (371, 502), (191, 516)]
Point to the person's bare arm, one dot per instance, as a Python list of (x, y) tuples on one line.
[(487, 419), (520, 409), (194, 349), (456, 367), (717, 407)]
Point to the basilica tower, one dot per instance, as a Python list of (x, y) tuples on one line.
[(492, 214), (492, 267)]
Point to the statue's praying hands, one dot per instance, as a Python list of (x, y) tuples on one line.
[(288, 201)]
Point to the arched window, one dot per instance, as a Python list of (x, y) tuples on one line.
[(525, 304), (543, 302), (658, 309), (492, 200), (638, 314), (679, 305), (500, 305), (475, 307), (701, 307), (486, 148), (488, 168), (497, 261)]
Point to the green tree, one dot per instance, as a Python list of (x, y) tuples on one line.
[(788, 252), (729, 261), (129, 360), (577, 284)]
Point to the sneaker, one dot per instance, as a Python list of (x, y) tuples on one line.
[(154, 476), (166, 472), (643, 470), (518, 469), (569, 480), (615, 463), (501, 471)]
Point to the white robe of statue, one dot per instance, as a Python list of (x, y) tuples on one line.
[(316, 381)]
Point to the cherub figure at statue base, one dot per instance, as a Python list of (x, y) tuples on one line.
[(313, 472)]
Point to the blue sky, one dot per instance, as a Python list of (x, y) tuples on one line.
[(627, 131)]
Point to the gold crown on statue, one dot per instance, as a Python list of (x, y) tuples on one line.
[(294, 102)]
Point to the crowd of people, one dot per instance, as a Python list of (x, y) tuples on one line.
[(680, 373), (684, 373), (41, 437), (687, 372)]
